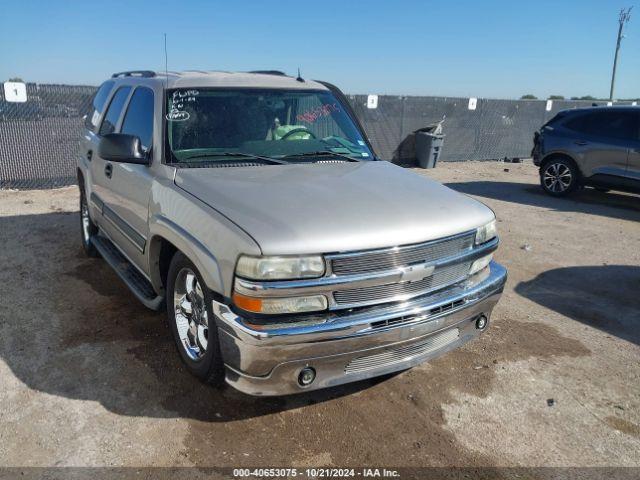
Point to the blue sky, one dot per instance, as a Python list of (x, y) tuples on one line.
[(498, 49)]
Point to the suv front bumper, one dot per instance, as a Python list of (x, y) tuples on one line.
[(355, 346)]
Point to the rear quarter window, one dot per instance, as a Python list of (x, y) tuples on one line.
[(97, 105), (578, 124), (555, 119)]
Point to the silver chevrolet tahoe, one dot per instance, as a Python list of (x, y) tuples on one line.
[(288, 256)]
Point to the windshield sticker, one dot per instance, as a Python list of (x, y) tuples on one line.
[(177, 116), (178, 100), (312, 115), (185, 93)]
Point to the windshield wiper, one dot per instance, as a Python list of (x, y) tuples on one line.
[(321, 153), (248, 156)]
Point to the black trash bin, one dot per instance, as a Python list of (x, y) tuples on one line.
[(428, 147)]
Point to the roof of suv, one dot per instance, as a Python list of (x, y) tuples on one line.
[(199, 79), (601, 107)]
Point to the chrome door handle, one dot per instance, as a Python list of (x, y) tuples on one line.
[(108, 170), (581, 142)]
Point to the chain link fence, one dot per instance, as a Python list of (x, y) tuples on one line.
[(39, 138)]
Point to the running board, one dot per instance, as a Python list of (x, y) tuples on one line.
[(137, 283)]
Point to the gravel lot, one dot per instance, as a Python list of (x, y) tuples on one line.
[(91, 378)]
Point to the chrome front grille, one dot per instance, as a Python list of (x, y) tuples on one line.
[(386, 275), (442, 277), (392, 258), (402, 353)]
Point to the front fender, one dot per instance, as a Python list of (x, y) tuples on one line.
[(210, 240), (162, 228)]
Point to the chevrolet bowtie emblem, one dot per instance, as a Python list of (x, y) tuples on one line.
[(415, 273)]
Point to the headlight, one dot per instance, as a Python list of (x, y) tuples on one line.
[(486, 232), (480, 264), (311, 303), (280, 268)]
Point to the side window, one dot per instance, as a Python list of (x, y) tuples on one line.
[(138, 120), (97, 105), (621, 125), (611, 124), (114, 110), (578, 124)]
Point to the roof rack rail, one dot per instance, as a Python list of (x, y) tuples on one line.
[(135, 73), (269, 72)]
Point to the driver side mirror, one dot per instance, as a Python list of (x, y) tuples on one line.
[(122, 148)]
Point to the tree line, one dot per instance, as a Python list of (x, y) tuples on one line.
[(530, 96)]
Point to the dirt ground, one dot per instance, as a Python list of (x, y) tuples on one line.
[(90, 377)]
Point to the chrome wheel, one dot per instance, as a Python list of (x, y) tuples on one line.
[(86, 222), (557, 177), (191, 314)]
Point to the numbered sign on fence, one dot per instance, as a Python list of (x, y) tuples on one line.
[(372, 101), (15, 92), (549, 105), (473, 103)]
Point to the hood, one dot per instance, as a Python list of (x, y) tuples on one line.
[(333, 207)]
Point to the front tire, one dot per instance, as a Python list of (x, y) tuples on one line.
[(559, 177), (190, 315), (88, 229)]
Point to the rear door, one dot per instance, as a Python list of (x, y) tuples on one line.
[(127, 204), (601, 141), (89, 141)]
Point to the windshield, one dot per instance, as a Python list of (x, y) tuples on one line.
[(210, 125)]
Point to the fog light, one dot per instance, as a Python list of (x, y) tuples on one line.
[(481, 322), (307, 376), (480, 264)]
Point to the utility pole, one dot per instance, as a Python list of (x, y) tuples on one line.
[(624, 17)]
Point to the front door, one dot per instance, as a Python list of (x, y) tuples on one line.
[(127, 204)]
